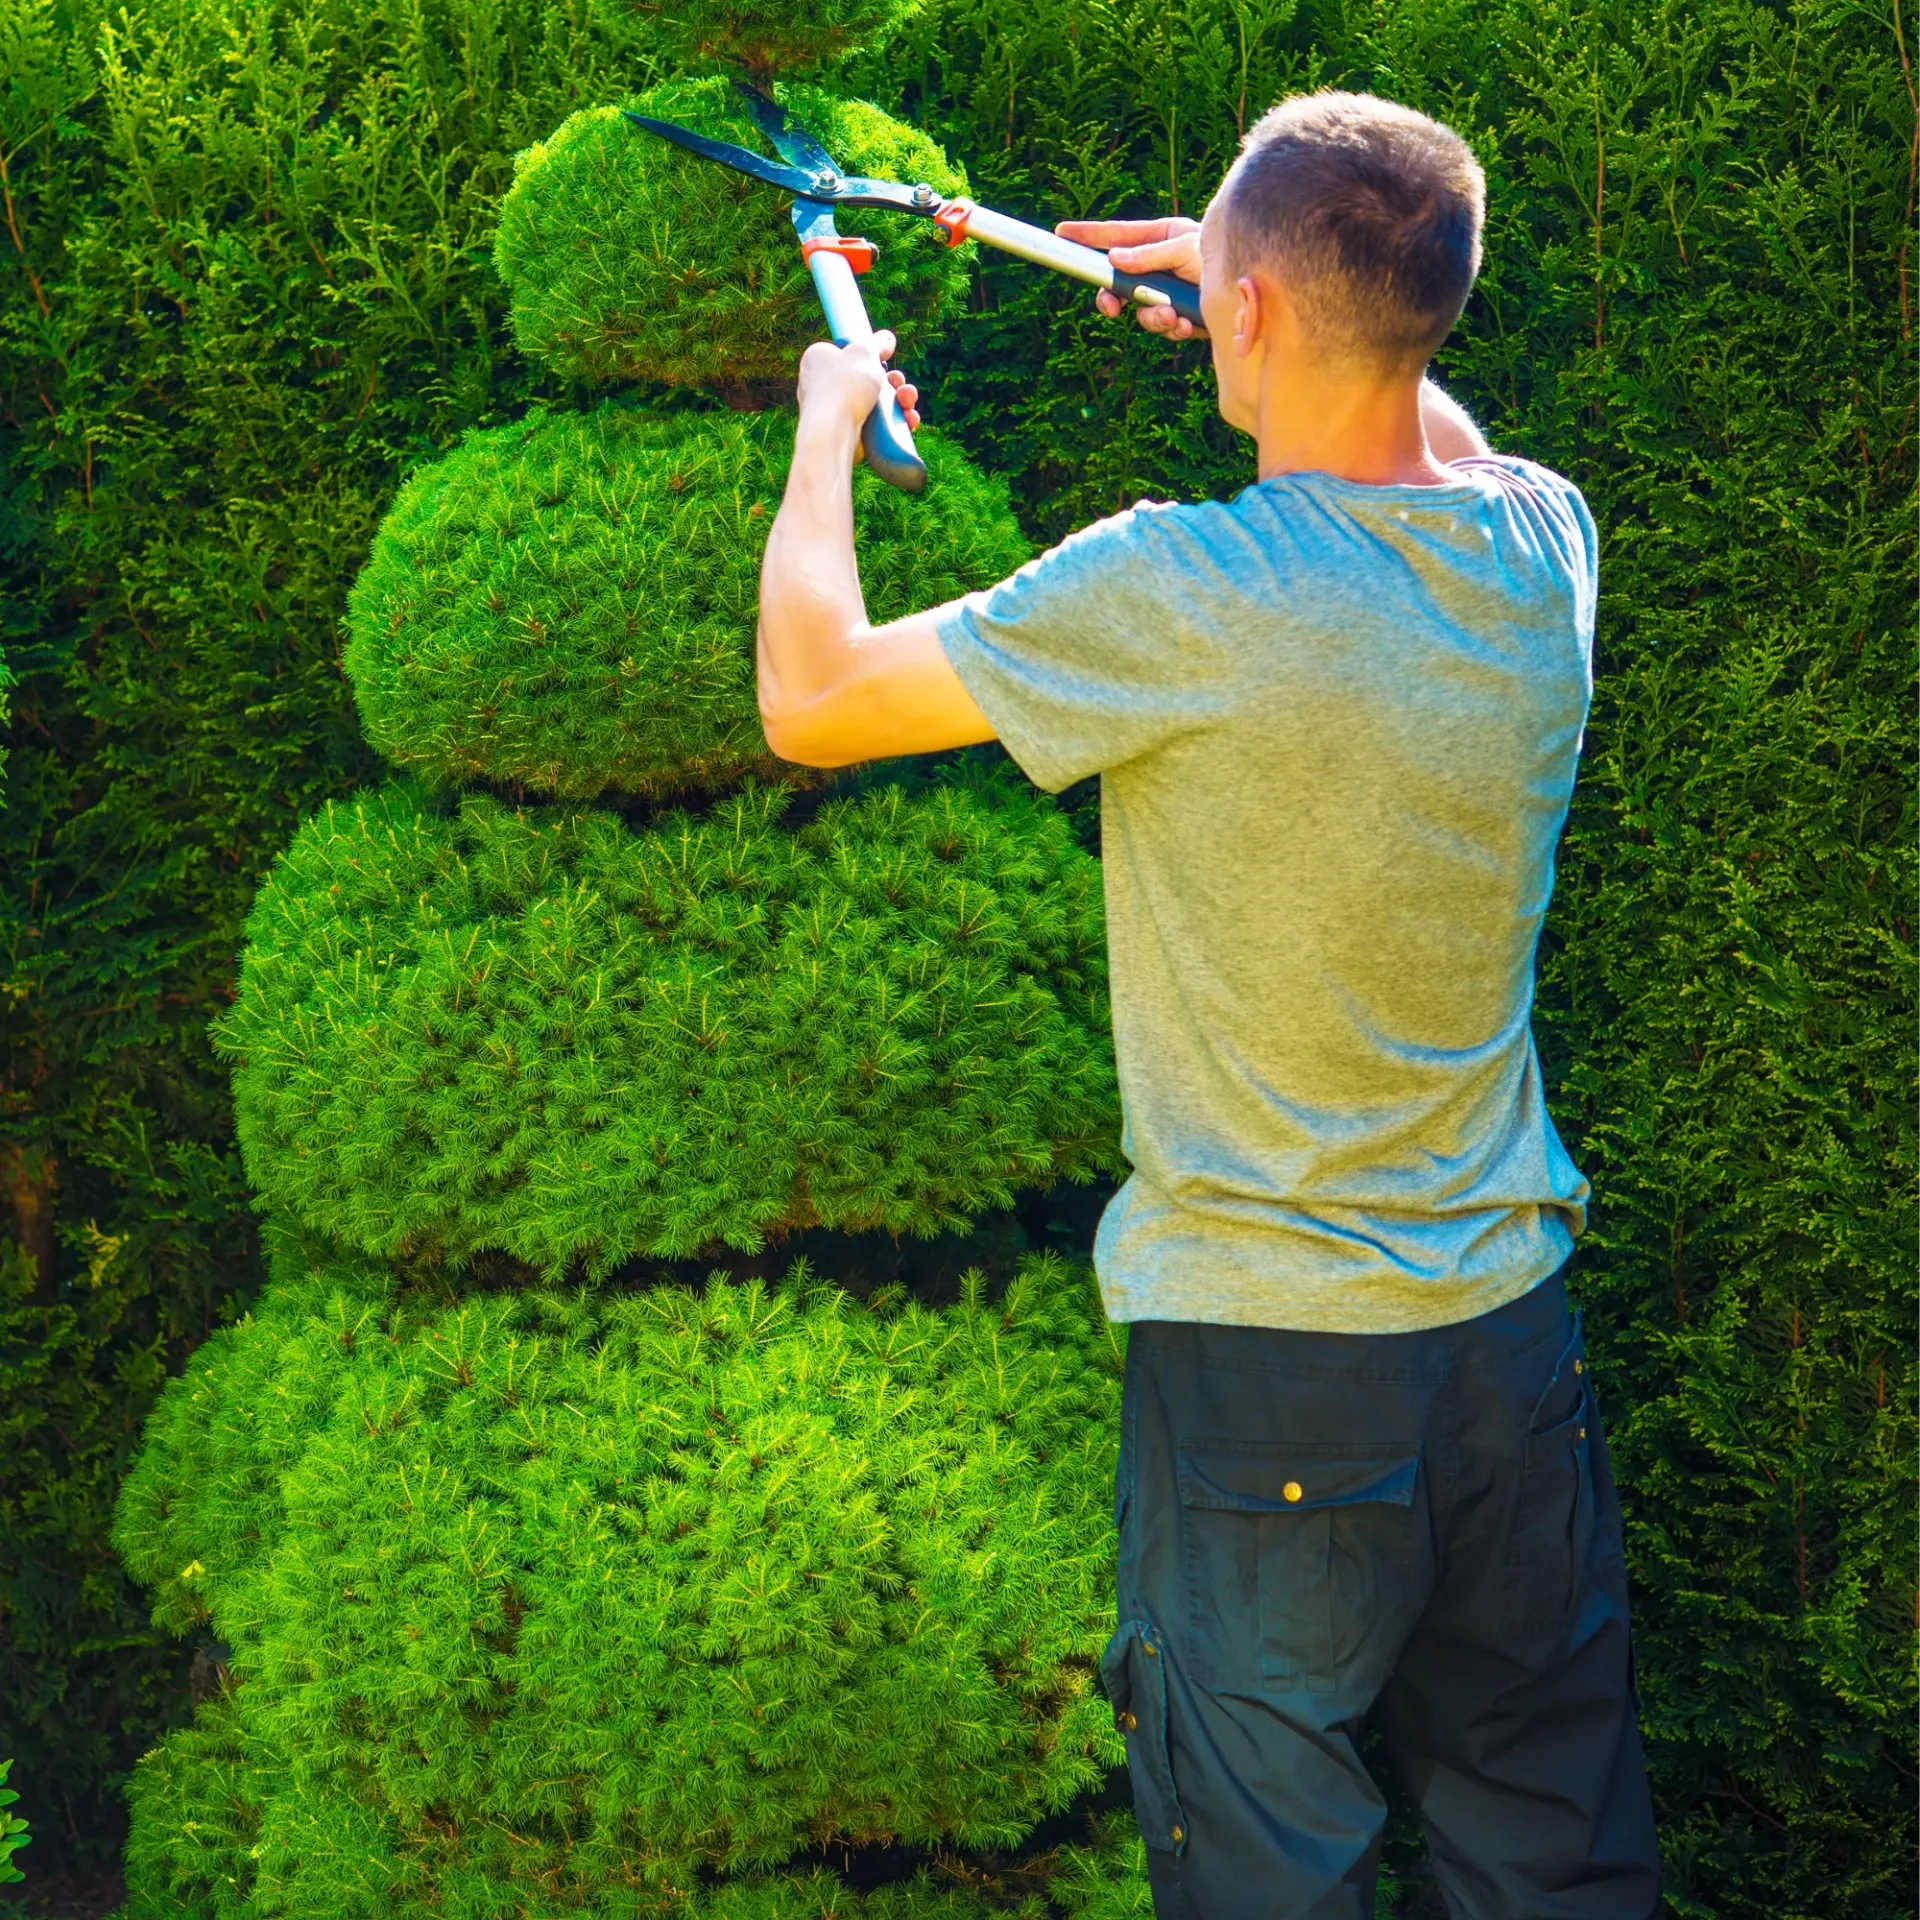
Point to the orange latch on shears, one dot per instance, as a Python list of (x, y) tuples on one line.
[(952, 220), (857, 253)]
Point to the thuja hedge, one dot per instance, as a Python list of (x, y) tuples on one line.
[(244, 287), (247, 288)]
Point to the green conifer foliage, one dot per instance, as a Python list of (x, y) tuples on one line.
[(628, 258), (218, 1837), (247, 287), (760, 39), (543, 1031), (548, 1591), (568, 603), (549, 1583), (14, 1832)]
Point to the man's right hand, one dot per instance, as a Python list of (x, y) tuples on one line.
[(1144, 246)]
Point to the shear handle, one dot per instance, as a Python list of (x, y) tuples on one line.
[(884, 435), (964, 221)]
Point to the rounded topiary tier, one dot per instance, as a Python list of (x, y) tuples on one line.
[(551, 1584), (568, 603), (540, 1030), (708, 1577), (628, 258)]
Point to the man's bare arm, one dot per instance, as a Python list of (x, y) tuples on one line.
[(833, 689), (1450, 429)]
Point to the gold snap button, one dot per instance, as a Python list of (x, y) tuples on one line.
[(1147, 1646), (1583, 1433), (1179, 1834), (1579, 1366), (1128, 1722), (1293, 1490)]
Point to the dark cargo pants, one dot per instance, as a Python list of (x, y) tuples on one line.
[(1421, 1527)]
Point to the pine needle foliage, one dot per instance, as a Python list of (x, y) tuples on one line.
[(629, 259), (598, 1589), (219, 1838), (819, 1592), (568, 604), (543, 1030), (14, 1832)]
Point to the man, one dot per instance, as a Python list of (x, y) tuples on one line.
[(1336, 722)]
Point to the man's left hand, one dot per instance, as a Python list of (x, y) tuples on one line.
[(1145, 246)]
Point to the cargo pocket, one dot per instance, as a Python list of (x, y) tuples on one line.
[(1299, 1558), (1134, 1672), (1553, 1519)]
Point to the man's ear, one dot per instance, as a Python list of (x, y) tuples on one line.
[(1248, 316)]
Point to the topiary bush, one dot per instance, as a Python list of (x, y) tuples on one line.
[(547, 1580), (568, 603), (209, 1823), (629, 258)]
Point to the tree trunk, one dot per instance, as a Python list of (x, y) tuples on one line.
[(30, 1176)]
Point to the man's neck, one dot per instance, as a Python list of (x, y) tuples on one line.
[(1320, 418)]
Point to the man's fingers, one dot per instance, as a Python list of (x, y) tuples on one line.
[(1159, 319), (1140, 247), (1165, 322), (908, 396), (1179, 255), (838, 380), (1124, 233)]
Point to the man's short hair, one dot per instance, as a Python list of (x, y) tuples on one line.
[(1368, 213)]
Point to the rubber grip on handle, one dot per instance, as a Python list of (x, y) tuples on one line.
[(884, 435), (1184, 295), (889, 446)]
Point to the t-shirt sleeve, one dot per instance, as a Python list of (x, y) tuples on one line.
[(1094, 653), (1566, 524)]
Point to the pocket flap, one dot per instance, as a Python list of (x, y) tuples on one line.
[(1115, 1676), (1561, 1439), (1564, 1395), (1277, 1476)]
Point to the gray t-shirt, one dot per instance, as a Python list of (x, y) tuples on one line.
[(1336, 727)]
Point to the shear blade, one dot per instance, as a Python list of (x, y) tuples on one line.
[(791, 141), (740, 159), (855, 192)]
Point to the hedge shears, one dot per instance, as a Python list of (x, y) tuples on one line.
[(806, 170)]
